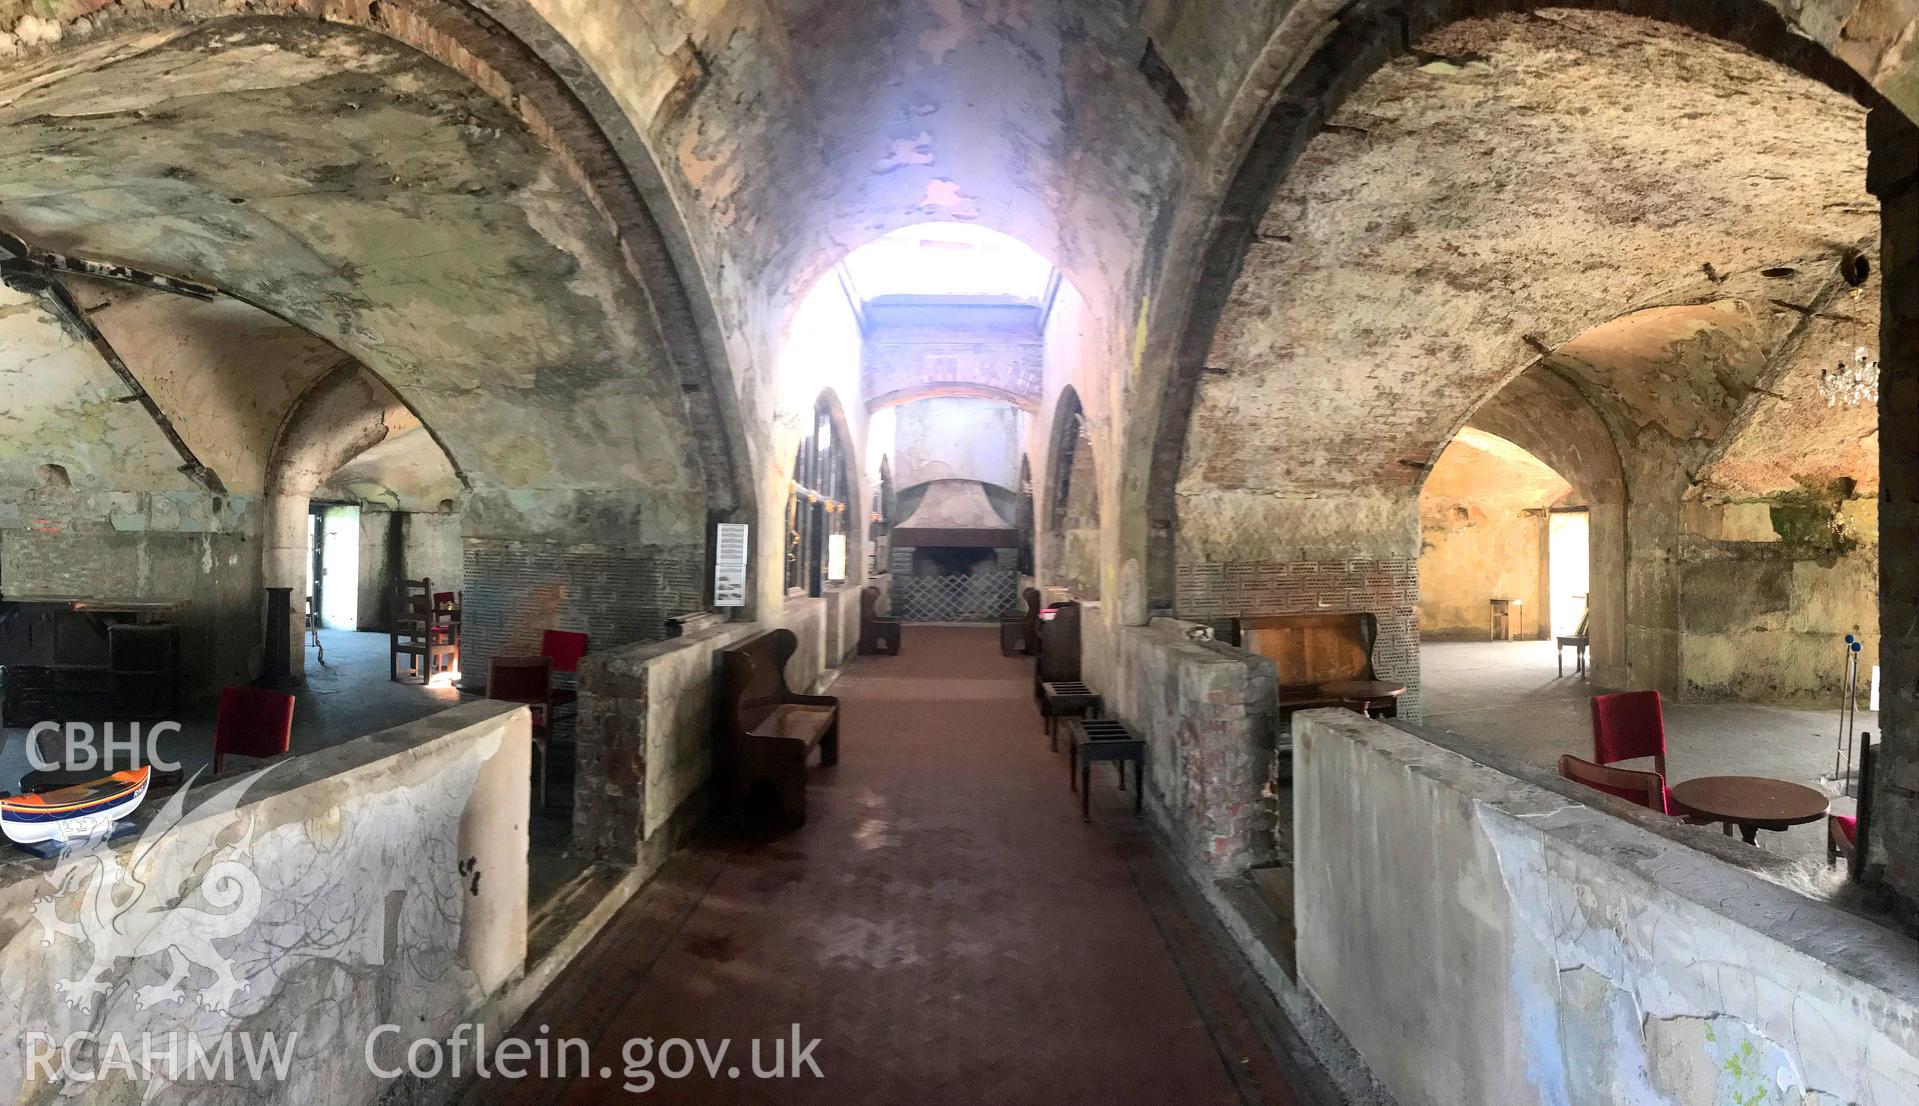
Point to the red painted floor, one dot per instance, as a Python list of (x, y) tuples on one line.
[(944, 925)]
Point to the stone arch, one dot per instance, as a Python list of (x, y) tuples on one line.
[(1071, 502), (1286, 103), (340, 417), (571, 410), (902, 396), (1545, 414), (516, 59)]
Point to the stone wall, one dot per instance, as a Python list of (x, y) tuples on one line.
[(645, 743), (1480, 939), (1768, 592), (382, 881), (1207, 713), (615, 595), (200, 549), (405, 545)]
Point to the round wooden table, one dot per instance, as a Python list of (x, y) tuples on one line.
[(1752, 803), (1365, 696)]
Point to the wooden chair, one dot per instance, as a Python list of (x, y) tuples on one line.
[(1648, 789), (767, 730), (878, 636), (527, 680), (1578, 642), (1310, 650), (251, 722), (1019, 632), (422, 632)]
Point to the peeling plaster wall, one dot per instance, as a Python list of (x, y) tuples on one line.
[(927, 350), (1472, 556), (1481, 940), (956, 439), (380, 881)]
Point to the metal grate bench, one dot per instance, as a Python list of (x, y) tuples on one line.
[(1062, 698), (1091, 739)]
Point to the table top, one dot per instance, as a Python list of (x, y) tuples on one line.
[(1363, 689), (1751, 800)]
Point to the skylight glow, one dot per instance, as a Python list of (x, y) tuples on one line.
[(948, 259)]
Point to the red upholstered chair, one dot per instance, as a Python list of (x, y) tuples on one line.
[(1648, 789), (564, 648), (252, 722), (526, 680), (1842, 837), (1842, 830), (1628, 726)]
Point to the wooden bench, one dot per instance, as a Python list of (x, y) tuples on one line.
[(1058, 651), (1310, 650), (767, 730), (877, 635), (1019, 631)]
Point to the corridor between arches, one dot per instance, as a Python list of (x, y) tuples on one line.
[(945, 926)]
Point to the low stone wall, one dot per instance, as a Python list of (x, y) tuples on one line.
[(380, 882), (807, 618), (842, 625), (1482, 939), (645, 742), (1207, 712)]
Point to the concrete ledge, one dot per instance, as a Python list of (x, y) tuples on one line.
[(1480, 938), (380, 882), (645, 740)]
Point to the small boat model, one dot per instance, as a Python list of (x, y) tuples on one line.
[(80, 811)]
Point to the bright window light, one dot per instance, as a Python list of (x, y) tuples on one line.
[(948, 259), (836, 556)]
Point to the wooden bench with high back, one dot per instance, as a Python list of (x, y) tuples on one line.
[(767, 730), (1309, 650), (878, 635), (1019, 630)]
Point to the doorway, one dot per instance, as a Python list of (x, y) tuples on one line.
[(333, 556), (1568, 568)]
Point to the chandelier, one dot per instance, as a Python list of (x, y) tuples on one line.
[(1852, 385)]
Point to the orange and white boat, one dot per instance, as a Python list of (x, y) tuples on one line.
[(73, 812)]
